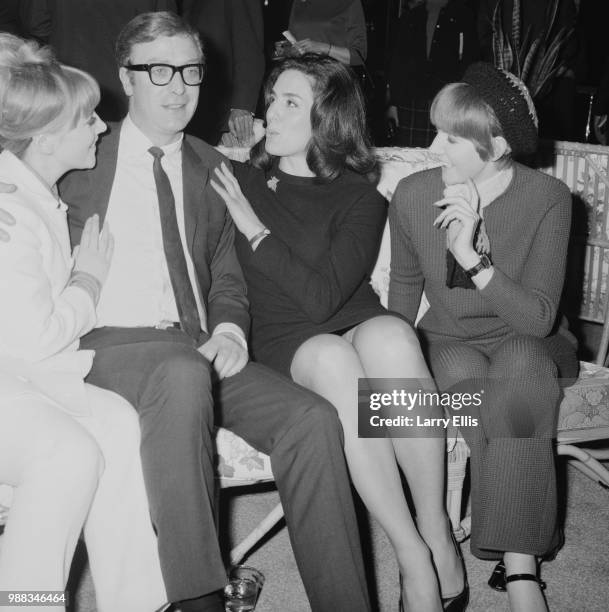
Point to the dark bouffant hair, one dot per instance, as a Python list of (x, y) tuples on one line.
[(338, 120)]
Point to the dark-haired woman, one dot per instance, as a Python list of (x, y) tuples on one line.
[(310, 220), (486, 239)]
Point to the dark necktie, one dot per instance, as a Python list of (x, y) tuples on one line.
[(174, 253)]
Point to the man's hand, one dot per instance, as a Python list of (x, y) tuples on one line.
[(225, 353), (6, 219), (393, 121), (599, 123), (241, 126), (306, 45)]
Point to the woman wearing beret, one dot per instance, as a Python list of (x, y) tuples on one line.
[(486, 239)]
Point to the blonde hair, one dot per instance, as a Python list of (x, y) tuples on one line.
[(38, 95), (459, 110)]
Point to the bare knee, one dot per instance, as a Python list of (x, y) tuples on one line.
[(390, 333), (324, 357)]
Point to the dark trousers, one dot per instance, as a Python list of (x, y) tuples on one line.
[(513, 484), (170, 385)]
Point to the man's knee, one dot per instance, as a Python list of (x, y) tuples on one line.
[(317, 419), (180, 387)]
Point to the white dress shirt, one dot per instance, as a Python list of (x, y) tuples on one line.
[(138, 291)]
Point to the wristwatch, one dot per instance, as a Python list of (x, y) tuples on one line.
[(483, 264)]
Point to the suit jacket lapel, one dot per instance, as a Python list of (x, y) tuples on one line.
[(194, 178), (105, 170)]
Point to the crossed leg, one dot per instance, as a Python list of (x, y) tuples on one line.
[(386, 347)]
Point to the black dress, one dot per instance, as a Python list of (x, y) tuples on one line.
[(311, 275)]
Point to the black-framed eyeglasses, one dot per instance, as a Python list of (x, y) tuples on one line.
[(161, 74)]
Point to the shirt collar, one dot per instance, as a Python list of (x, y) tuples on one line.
[(493, 187), (135, 144), (24, 178)]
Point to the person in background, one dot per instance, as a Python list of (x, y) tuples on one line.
[(486, 239), (70, 450), (432, 45), (10, 19), (309, 219), (233, 35), (82, 33), (336, 28)]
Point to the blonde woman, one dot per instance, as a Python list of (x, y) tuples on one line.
[(69, 450)]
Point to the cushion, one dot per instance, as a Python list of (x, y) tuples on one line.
[(238, 463), (585, 406)]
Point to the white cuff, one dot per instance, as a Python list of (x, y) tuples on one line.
[(234, 330)]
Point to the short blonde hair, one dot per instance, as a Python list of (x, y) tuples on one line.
[(38, 95), (459, 110)]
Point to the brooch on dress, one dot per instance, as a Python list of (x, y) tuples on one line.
[(272, 183)]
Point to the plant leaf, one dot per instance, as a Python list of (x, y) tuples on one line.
[(516, 28)]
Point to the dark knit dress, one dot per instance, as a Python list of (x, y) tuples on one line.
[(311, 275), (505, 339)]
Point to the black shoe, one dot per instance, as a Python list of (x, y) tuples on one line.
[(499, 580), (459, 602), (212, 602)]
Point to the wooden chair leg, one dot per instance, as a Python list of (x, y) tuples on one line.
[(585, 463), (456, 466), (267, 523)]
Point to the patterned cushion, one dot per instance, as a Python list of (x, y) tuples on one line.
[(585, 406), (238, 463)]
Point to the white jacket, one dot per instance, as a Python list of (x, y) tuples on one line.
[(41, 317)]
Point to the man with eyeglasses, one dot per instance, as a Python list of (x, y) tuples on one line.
[(171, 337)]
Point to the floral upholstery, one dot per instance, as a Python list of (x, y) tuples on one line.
[(586, 404), (238, 463)]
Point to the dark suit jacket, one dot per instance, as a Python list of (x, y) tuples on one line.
[(233, 34), (209, 227)]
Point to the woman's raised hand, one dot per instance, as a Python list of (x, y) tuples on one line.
[(460, 219), (5, 219), (240, 209), (94, 253)]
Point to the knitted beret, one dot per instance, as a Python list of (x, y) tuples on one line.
[(509, 98)]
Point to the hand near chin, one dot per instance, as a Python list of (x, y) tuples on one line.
[(460, 218), (244, 217)]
